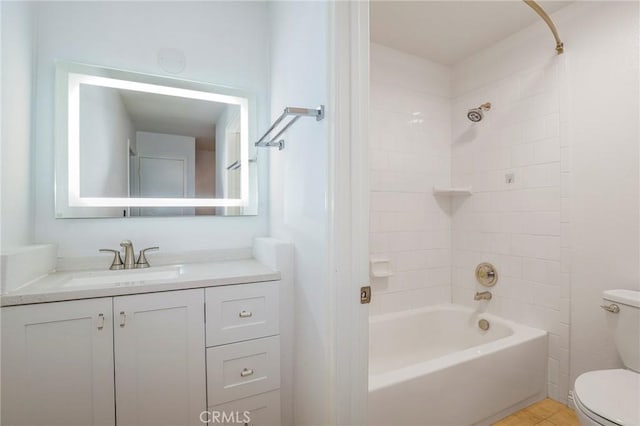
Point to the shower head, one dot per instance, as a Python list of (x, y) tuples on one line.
[(477, 114)]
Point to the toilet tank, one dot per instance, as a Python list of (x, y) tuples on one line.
[(626, 325)]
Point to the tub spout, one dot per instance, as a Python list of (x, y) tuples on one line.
[(482, 295)]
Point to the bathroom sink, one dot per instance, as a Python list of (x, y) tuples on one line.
[(101, 278)]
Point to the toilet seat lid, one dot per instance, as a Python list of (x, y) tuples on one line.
[(611, 394)]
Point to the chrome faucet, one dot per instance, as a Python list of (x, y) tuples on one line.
[(130, 261), (129, 257), (482, 295)]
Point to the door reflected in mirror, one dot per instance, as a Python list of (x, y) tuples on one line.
[(146, 145)]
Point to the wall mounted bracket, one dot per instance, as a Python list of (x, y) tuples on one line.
[(294, 112)]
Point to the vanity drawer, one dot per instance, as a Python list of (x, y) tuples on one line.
[(260, 410), (241, 312), (242, 369)]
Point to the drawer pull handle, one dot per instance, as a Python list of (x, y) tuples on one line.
[(246, 372), (245, 314), (123, 318), (100, 321)]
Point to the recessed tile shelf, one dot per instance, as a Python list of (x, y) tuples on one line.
[(451, 190), (380, 268)]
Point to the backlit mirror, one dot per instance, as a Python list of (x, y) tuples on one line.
[(131, 144)]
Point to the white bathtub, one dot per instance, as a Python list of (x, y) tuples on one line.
[(434, 367)]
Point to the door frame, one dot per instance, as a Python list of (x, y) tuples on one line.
[(348, 205)]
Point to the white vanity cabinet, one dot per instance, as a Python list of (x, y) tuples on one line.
[(58, 361), (243, 353), (143, 359), (57, 364)]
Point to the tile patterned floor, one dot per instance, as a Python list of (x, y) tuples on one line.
[(544, 413)]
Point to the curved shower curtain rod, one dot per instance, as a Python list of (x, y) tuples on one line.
[(540, 11)]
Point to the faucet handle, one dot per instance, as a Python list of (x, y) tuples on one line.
[(142, 259), (117, 260)]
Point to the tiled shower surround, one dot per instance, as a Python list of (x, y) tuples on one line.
[(516, 160), (513, 161), (410, 152)]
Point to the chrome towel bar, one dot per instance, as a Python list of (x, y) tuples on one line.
[(237, 164), (233, 166), (294, 112)]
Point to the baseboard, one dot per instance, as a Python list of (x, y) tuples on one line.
[(514, 408), (570, 402)]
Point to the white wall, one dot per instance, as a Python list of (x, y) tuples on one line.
[(228, 118), (298, 181), (224, 43), (17, 107), (605, 113), (105, 129), (410, 153), (590, 147)]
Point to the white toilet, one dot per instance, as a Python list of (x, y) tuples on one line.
[(612, 397)]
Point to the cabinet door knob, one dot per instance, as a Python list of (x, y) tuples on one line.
[(246, 372), (245, 314), (100, 321), (123, 318)]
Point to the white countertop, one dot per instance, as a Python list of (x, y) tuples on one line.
[(72, 285)]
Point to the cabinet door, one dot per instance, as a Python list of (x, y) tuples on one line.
[(160, 358), (57, 364)]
